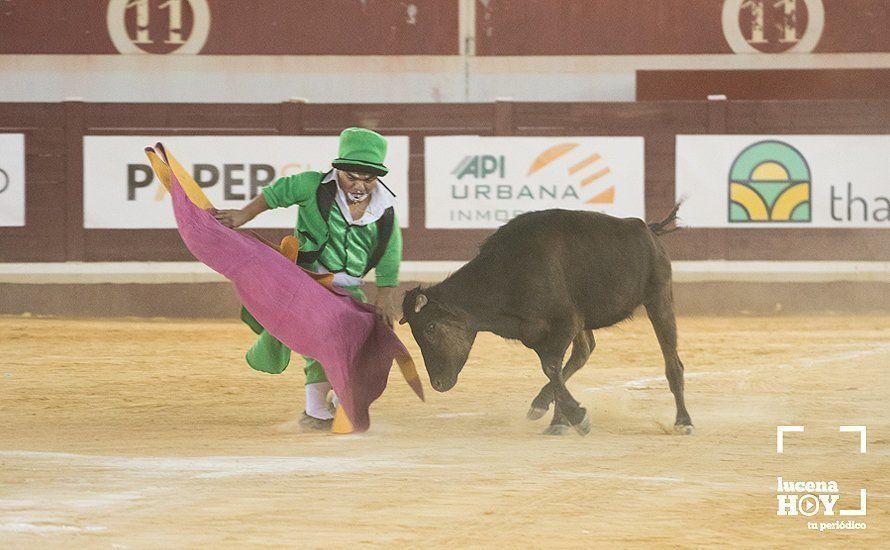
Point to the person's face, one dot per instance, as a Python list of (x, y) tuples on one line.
[(356, 185)]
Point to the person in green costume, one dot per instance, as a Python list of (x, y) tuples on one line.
[(346, 225)]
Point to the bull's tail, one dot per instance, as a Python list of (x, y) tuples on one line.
[(661, 228)]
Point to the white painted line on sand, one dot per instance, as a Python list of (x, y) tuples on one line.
[(652, 382), (217, 466)]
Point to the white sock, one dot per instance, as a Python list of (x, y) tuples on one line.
[(316, 400)]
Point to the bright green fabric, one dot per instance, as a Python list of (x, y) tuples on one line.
[(361, 148), (268, 355), (348, 246), (249, 320)]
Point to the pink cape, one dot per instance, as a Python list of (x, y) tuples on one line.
[(353, 345)]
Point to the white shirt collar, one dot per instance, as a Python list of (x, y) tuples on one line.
[(381, 199)]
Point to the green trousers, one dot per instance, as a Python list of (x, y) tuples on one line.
[(269, 355)]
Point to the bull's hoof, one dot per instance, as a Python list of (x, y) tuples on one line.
[(534, 413), (683, 429), (583, 427), (556, 429)]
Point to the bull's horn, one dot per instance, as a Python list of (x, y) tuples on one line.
[(421, 301)]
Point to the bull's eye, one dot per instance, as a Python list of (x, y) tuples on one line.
[(429, 328)]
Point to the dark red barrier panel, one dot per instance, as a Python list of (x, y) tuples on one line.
[(54, 153), (620, 27), (43, 239), (245, 27), (765, 85)]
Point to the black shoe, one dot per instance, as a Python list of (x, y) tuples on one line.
[(310, 423)]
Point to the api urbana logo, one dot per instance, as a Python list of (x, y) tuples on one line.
[(770, 181), (567, 179), (580, 172), (584, 172)]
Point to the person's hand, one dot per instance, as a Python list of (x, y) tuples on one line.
[(231, 218), (385, 304)]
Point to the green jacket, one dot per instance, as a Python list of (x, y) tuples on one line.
[(348, 246)]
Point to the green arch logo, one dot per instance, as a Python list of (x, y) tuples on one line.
[(769, 182)]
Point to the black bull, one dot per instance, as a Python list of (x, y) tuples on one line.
[(548, 279)]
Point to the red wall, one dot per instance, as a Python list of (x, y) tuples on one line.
[(617, 27), (784, 84), (242, 27), (430, 27)]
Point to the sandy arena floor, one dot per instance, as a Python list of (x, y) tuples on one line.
[(136, 434)]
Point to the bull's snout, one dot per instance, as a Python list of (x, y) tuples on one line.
[(443, 385)]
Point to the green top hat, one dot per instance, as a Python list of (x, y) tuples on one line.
[(362, 150)]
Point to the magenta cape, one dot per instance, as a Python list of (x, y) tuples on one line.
[(355, 348)]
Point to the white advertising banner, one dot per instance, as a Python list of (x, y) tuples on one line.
[(12, 180), (484, 182), (121, 192), (784, 181)]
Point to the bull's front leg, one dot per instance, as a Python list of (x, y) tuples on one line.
[(582, 346), (567, 411), (541, 403)]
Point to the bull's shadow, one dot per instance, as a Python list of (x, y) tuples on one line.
[(548, 279)]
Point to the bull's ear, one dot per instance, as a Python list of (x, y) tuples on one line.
[(420, 302), (402, 321)]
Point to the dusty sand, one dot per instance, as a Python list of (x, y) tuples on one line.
[(135, 434)]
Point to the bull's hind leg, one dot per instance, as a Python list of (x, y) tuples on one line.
[(661, 313), (582, 346)]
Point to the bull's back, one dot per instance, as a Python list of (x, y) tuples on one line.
[(597, 264)]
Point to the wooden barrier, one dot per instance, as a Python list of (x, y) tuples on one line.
[(54, 165)]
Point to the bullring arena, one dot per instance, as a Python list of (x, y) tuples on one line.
[(404, 134), (115, 436)]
